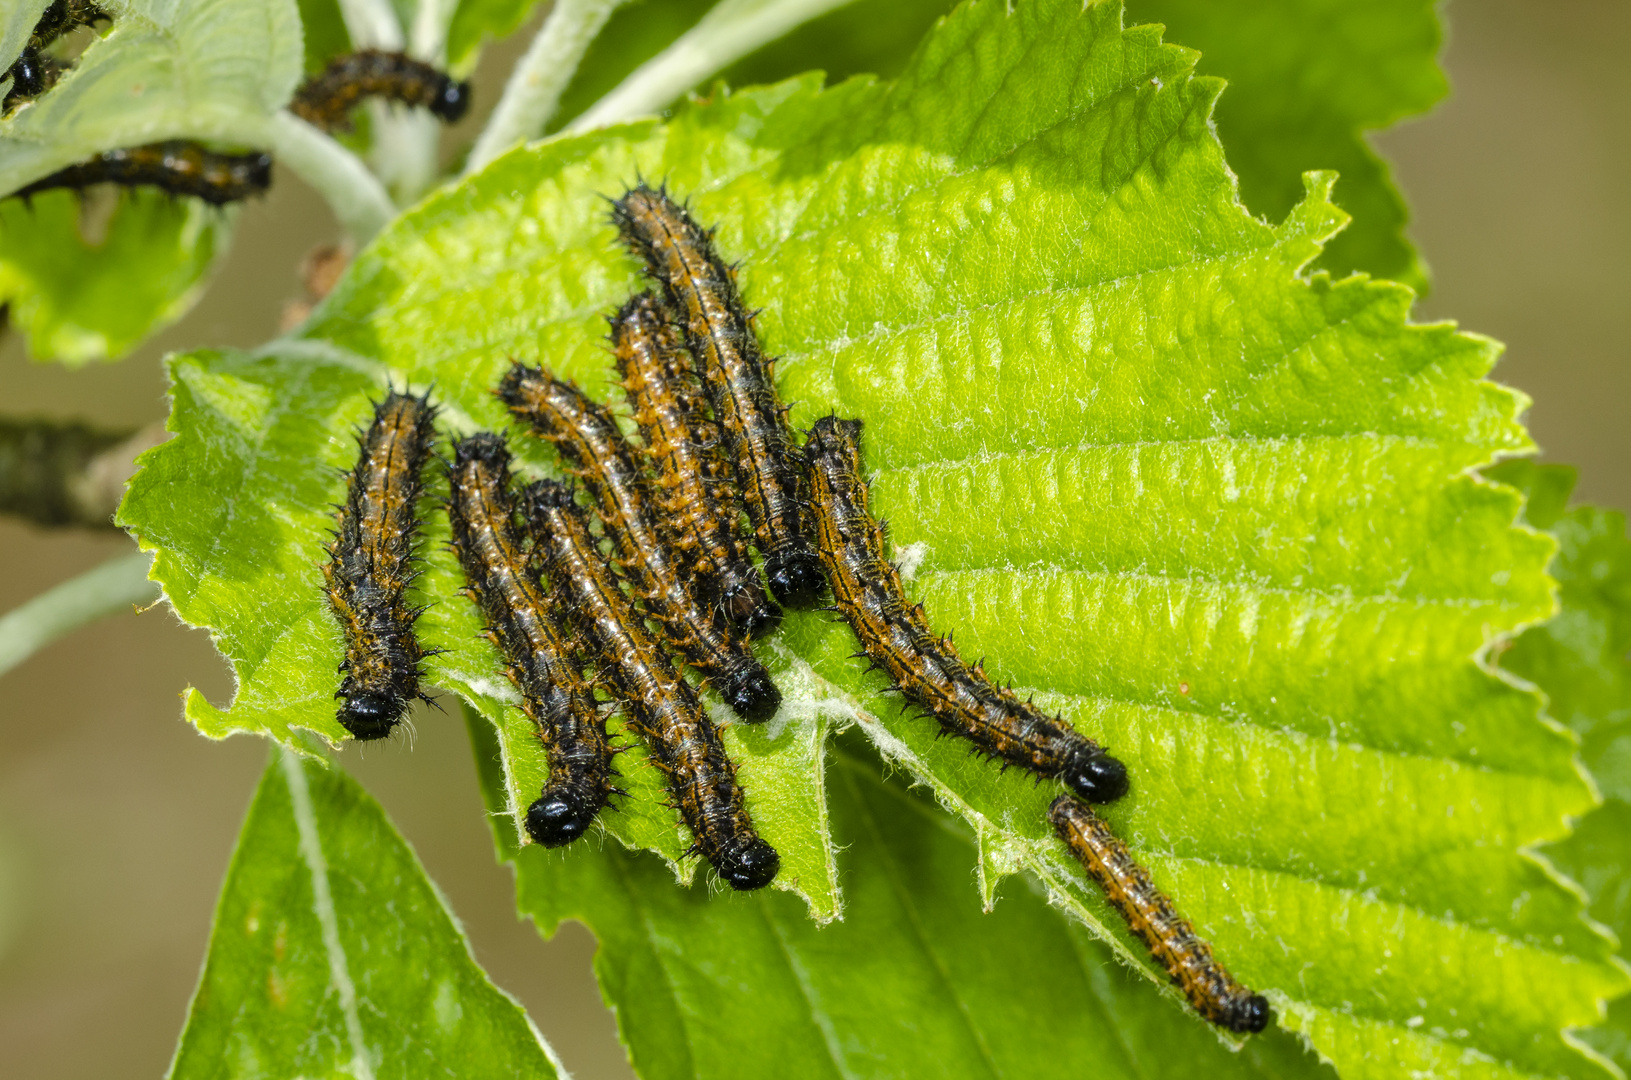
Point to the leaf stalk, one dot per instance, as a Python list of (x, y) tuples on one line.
[(534, 91), (729, 31), (77, 602)]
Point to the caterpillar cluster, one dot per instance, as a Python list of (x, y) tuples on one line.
[(896, 638), (569, 619)]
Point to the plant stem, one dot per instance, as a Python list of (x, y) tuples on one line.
[(357, 198), (67, 474), (427, 37), (116, 583), (403, 154), (535, 87), (372, 24), (731, 30)]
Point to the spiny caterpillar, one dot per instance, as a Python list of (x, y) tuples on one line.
[(34, 71), (588, 438), (540, 661), (371, 565), (181, 168), (896, 637), (659, 705), (695, 501), (325, 99), (701, 288), (1149, 912)]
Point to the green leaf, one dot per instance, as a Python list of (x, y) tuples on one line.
[(477, 20), (1218, 511), (187, 69), (332, 954), (322, 27), (868, 37), (80, 298), (915, 980), (1307, 80), (92, 286), (1580, 660), (17, 22)]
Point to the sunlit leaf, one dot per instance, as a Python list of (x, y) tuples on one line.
[(1218, 510)]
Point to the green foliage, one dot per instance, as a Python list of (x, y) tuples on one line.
[(323, 30), (333, 954), (194, 69), (191, 69), (1217, 510), (477, 20), (81, 299), (916, 979), (867, 37), (1307, 79), (1579, 658)]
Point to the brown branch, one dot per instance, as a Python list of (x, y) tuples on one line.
[(67, 475)]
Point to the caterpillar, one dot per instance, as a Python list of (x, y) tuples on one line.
[(702, 290), (34, 71), (371, 565), (1151, 916), (540, 661), (896, 637), (659, 705), (693, 496), (588, 438), (181, 168), (325, 99)]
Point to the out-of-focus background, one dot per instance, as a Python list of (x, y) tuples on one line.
[(117, 819)]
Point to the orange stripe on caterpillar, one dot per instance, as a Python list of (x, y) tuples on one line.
[(540, 661), (702, 291), (326, 99), (1151, 916), (896, 636), (692, 494), (371, 564), (181, 168), (658, 704), (588, 438)]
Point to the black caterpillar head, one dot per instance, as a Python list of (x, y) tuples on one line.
[(1095, 776), (747, 689), (452, 101), (795, 577), (747, 865), (1247, 1014), (561, 815), (371, 716)]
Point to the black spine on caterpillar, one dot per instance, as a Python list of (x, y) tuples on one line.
[(34, 71), (696, 502), (180, 168), (896, 636), (588, 438), (660, 706), (540, 660), (701, 288), (1154, 920), (325, 99), (372, 562)]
